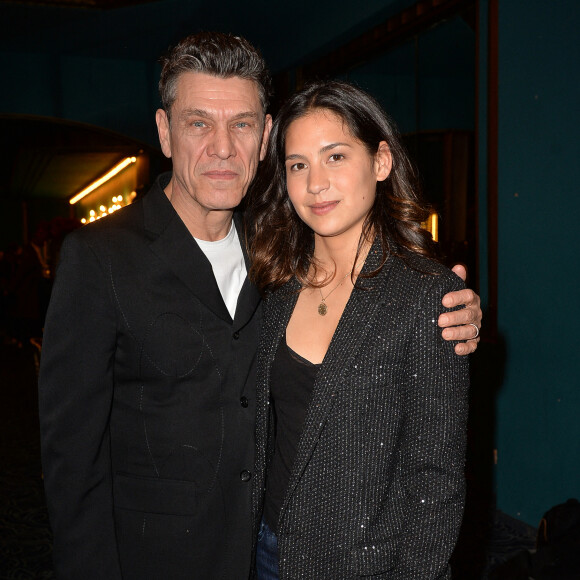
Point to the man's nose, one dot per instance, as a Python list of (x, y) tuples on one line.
[(221, 144)]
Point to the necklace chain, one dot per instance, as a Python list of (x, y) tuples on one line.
[(322, 307)]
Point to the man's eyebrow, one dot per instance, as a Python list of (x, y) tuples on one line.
[(188, 113), (245, 115)]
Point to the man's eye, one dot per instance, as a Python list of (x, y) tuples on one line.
[(242, 124), (198, 124)]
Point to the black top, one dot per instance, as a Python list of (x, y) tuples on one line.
[(377, 484), (292, 381)]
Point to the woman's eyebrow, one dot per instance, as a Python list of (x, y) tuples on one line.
[(294, 156), (333, 146), (324, 149)]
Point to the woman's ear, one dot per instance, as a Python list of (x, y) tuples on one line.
[(383, 161)]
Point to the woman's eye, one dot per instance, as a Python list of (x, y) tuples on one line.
[(297, 166), (336, 157)]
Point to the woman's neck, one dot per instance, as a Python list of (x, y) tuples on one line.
[(336, 255)]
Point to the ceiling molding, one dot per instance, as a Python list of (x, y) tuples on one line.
[(92, 4)]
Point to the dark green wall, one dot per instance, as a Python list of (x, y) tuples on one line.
[(427, 84), (101, 66), (529, 378), (536, 357), (117, 94)]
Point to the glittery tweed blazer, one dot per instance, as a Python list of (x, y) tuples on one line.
[(377, 487)]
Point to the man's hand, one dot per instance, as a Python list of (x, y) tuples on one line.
[(460, 321)]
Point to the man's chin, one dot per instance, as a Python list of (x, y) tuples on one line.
[(223, 202)]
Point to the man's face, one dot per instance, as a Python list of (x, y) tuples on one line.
[(216, 137)]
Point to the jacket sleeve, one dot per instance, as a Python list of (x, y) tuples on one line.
[(433, 443), (75, 397)]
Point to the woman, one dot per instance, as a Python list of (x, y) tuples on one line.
[(359, 469)]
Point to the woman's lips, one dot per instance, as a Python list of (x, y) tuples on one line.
[(323, 208)]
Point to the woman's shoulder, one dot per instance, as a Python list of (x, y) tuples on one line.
[(421, 271), (288, 292), (419, 263)]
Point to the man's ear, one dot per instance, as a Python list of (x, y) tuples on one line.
[(265, 136), (383, 161), (163, 130)]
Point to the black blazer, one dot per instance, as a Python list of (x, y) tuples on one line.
[(377, 487), (147, 403)]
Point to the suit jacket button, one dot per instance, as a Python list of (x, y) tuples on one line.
[(244, 402), (245, 476), (236, 335)]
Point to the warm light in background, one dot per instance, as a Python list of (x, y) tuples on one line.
[(118, 168), (432, 225), (117, 203)]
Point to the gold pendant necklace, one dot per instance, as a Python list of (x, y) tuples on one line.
[(322, 307)]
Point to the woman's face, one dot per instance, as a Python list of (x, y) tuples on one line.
[(330, 175)]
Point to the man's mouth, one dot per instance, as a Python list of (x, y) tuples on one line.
[(220, 174)]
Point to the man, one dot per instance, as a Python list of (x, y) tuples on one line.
[(147, 381)]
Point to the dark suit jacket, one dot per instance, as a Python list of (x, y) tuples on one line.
[(377, 487), (147, 403)]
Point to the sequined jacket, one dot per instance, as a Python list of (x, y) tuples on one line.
[(377, 487)]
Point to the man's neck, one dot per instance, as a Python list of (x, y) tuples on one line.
[(209, 225)]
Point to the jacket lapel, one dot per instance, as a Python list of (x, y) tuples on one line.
[(350, 334), (176, 248), (249, 297)]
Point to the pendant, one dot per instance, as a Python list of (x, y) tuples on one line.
[(322, 309)]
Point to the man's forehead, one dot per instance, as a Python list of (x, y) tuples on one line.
[(199, 90)]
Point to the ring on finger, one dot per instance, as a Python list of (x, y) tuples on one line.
[(476, 331)]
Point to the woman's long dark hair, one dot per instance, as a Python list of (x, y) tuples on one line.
[(281, 244)]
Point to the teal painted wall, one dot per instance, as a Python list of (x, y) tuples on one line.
[(538, 403), (116, 94), (443, 61), (101, 67), (531, 377)]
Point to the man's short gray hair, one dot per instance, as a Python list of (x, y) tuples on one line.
[(213, 53)]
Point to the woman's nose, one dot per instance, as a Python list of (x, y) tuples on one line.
[(317, 180)]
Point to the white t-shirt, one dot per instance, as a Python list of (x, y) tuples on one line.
[(229, 268)]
